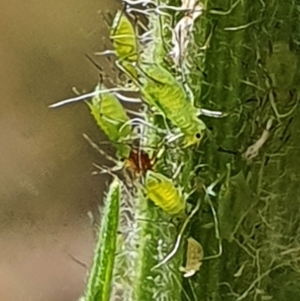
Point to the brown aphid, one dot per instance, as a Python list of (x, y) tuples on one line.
[(194, 258), (139, 162)]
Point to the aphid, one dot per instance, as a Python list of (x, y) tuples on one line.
[(124, 40), (161, 90), (111, 117), (163, 193), (180, 235), (194, 257), (139, 162)]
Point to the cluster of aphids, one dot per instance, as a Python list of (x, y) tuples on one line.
[(144, 61), (159, 91)]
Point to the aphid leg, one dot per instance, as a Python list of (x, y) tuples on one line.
[(135, 113), (179, 236), (118, 63), (147, 75), (104, 169), (103, 153), (173, 138), (138, 22), (107, 20), (75, 90), (138, 121)]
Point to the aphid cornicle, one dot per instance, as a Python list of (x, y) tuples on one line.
[(163, 193), (111, 117), (161, 90)]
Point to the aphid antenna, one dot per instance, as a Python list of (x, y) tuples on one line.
[(118, 63), (108, 20), (179, 236), (147, 75), (95, 64), (100, 151), (138, 22)]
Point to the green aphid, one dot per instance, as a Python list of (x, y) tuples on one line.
[(124, 40), (161, 90), (111, 116), (162, 191)]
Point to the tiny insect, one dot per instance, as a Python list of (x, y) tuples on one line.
[(194, 258), (139, 162), (163, 193), (111, 116), (123, 37), (164, 92)]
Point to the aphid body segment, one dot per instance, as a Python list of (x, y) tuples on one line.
[(163, 193), (124, 40), (163, 91), (110, 117)]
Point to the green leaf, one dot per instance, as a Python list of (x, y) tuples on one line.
[(100, 279)]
